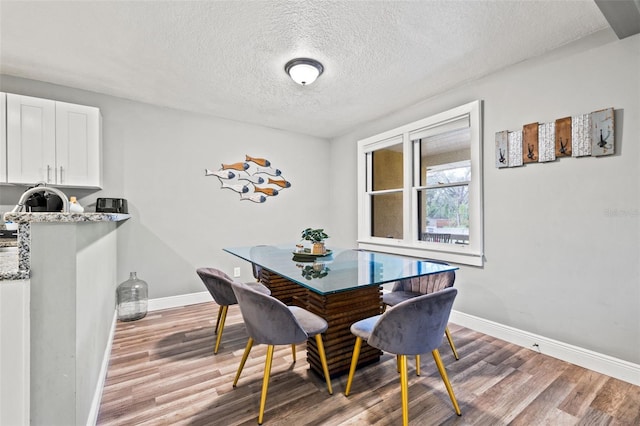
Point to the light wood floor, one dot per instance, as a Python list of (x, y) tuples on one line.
[(163, 372)]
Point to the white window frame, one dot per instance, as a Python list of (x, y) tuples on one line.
[(410, 244)]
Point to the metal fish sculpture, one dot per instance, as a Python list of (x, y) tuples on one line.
[(280, 182), (222, 174), (259, 161), (238, 187), (251, 178), (256, 198), (236, 166), (268, 191)]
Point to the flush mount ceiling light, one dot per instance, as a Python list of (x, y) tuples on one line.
[(304, 71)]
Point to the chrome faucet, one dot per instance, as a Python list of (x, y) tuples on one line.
[(29, 192)]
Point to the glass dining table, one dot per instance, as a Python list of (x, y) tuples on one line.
[(343, 286)]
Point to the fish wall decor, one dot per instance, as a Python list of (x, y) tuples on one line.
[(254, 179)]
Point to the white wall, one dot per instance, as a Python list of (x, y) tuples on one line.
[(562, 240), (155, 158)]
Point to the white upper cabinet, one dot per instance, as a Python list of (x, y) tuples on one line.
[(53, 142), (3, 137), (78, 145), (30, 139)]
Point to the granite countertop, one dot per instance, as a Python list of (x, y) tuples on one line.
[(64, 217), (16, 264)]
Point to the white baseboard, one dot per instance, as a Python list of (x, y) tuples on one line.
[(97, 395), (605, 364), (180, 300)]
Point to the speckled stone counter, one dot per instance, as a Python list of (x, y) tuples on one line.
[(16, 264)]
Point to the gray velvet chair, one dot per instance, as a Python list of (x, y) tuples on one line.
[(271, 322), (412, 327), (219, 285), (413, 287)]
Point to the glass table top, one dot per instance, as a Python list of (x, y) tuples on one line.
[(341, 270)]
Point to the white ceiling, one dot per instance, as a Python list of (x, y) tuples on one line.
[(226, 58)]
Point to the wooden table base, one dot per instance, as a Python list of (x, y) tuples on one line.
[(340, 310)]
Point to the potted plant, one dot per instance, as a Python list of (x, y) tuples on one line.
[(316, 237)]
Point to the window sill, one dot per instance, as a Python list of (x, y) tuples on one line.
[(455, 254)]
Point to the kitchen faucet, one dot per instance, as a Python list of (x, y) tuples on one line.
[(28, 192)]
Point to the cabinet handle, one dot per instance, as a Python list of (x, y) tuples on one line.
[(60, 174), (48, 173)]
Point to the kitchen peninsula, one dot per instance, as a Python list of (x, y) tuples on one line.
[(57, 304)]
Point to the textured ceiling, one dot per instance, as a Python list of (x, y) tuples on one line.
[(226, 58)]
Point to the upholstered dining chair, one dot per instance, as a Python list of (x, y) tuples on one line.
[(412, 327), (412, 287), (286, 325), (219, 285)]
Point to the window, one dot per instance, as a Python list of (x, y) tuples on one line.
[(420, 188)]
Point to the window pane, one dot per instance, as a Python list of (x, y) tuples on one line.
[(387, 168), (446, 158), (449, 173), (386, 215), (444, 214)]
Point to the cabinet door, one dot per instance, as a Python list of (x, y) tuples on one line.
[(30, 139), (3, 137), (78, 145)]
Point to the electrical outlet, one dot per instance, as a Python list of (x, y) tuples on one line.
[(236, 272)]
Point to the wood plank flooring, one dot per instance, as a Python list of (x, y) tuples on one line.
[(163, 372)]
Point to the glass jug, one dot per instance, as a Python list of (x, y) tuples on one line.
[(132, 298)]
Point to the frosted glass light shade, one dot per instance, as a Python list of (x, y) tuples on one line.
[(304, 71)]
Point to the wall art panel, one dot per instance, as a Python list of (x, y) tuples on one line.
[(502, 149), (581, 135), (530, 143), (547, 142), (602, 130), (563, 137), (515, 148)]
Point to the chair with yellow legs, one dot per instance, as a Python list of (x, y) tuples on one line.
[(219, 286), (413, 287), (412, 327), (271, 322)]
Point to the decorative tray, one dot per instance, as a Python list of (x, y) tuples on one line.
[(308, 256)]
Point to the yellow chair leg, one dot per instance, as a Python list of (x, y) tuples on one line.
[(293, 352), (218, 320), (417, 365), (445, 379), (404, 389), (265, 383), (354, 362), (223, 317), (323, 360), (453, 347), (247, 349)]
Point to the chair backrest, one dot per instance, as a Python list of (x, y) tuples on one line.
[(267, 319), (415, 326), (219, 285), (427, 283)]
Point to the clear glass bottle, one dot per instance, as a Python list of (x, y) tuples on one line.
[(132, 298)]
